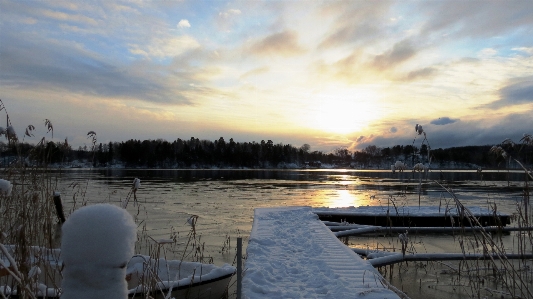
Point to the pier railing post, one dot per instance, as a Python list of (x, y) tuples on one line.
[(239, 267)]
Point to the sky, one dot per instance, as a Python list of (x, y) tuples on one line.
[(331, 74)]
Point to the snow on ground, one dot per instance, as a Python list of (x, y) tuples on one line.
[(291, 254), (422, 211)]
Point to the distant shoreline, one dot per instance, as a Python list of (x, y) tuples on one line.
[(326, 167)]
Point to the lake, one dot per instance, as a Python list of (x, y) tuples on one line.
[(224, 200)]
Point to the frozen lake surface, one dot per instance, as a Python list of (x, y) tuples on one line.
[(224, 200)]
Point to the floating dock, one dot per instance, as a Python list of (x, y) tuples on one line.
[(411, 216), (292, 254)]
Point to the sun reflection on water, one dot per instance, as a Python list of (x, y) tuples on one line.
[(340, 198), (344, 199)]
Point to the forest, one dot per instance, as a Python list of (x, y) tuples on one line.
[(196, 153)]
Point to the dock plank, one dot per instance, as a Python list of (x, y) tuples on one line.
[(292, 254), (411, 216)]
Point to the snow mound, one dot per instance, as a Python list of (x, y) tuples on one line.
[(97, 243)]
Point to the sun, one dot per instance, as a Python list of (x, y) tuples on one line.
[(344, 112)]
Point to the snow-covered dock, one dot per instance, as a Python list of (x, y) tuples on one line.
[(292, 254), (411, 216)]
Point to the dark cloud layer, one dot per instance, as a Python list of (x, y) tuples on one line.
[(519, 91), (462, 133), (443, 121)]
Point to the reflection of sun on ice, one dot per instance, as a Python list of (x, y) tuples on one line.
[(338, 198), (344, 198)]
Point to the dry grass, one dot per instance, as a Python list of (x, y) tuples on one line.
[(30, 227), (494, 275), (29, 220)]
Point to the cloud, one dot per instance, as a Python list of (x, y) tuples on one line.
[(468, 18), (399, 53), (283, 44), (424, 73), (527, 50), (184, 24), (135, 53), (164, 47), (255, 72), (519, 91), (349, 34), (463, 133), (39, 64), (350, 69), (356, 22), (226, 19), (358, 66), (441, 121), (482, 132), (61, 16), (229, 13), (489, 131), (487, 53), (29, 21)]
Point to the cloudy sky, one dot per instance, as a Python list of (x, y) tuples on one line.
[(327, 73)]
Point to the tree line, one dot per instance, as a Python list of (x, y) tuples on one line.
[(220, 153)]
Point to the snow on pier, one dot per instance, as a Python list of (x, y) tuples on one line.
[(292, 254)]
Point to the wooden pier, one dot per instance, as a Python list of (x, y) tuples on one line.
[(292, 254), (411, 216)]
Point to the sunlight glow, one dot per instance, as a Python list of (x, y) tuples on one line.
[(294, 72), (345, 111)]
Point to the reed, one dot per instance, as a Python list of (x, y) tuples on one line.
[(488, 264), (30, 228), (29, 222)]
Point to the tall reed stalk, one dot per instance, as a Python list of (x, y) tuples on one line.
[(29, 226), (30, 229)]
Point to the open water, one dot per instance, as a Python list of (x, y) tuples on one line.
[(224, 200)]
